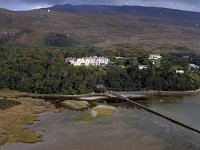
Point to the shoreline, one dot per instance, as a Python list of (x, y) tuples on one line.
[(40, 105), (13, 126), (96, 96), (108, 95), (159, 93), (58, 131)]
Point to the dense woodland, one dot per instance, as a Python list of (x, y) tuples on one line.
[(43, 70)]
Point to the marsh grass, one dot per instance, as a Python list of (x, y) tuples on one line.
[(24, 136), (14, 119), (100, 112), (11, 93), (5, 103)]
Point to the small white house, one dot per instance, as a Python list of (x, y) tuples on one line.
[(154, 57), (180, 71), (142, 67), (120, 57), (186, 57), (193, 66)]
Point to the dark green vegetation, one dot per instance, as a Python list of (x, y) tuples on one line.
[(34, 45), (60, 40), (42, 70), (5, 104)]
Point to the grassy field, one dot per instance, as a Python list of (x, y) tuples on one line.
[(14, 118)]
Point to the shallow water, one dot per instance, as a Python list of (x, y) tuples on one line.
[(185, 109), (129, 128)]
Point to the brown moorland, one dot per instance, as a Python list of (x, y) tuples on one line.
[(109, 27)]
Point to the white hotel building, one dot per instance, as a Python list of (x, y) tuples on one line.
[(88, 61)]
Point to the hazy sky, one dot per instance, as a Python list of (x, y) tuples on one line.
[(193, 5)]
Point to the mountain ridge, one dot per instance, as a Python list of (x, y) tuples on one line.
[(110, 27), (132, 9)]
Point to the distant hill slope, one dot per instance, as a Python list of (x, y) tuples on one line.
[(139, 10), (111, 27)]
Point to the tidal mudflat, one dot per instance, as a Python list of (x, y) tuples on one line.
[(117, 126), (129, 128)]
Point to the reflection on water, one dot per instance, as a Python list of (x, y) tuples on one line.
[(184, 109), (129, 128)]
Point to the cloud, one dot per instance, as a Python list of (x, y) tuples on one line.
[(193, 5)]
